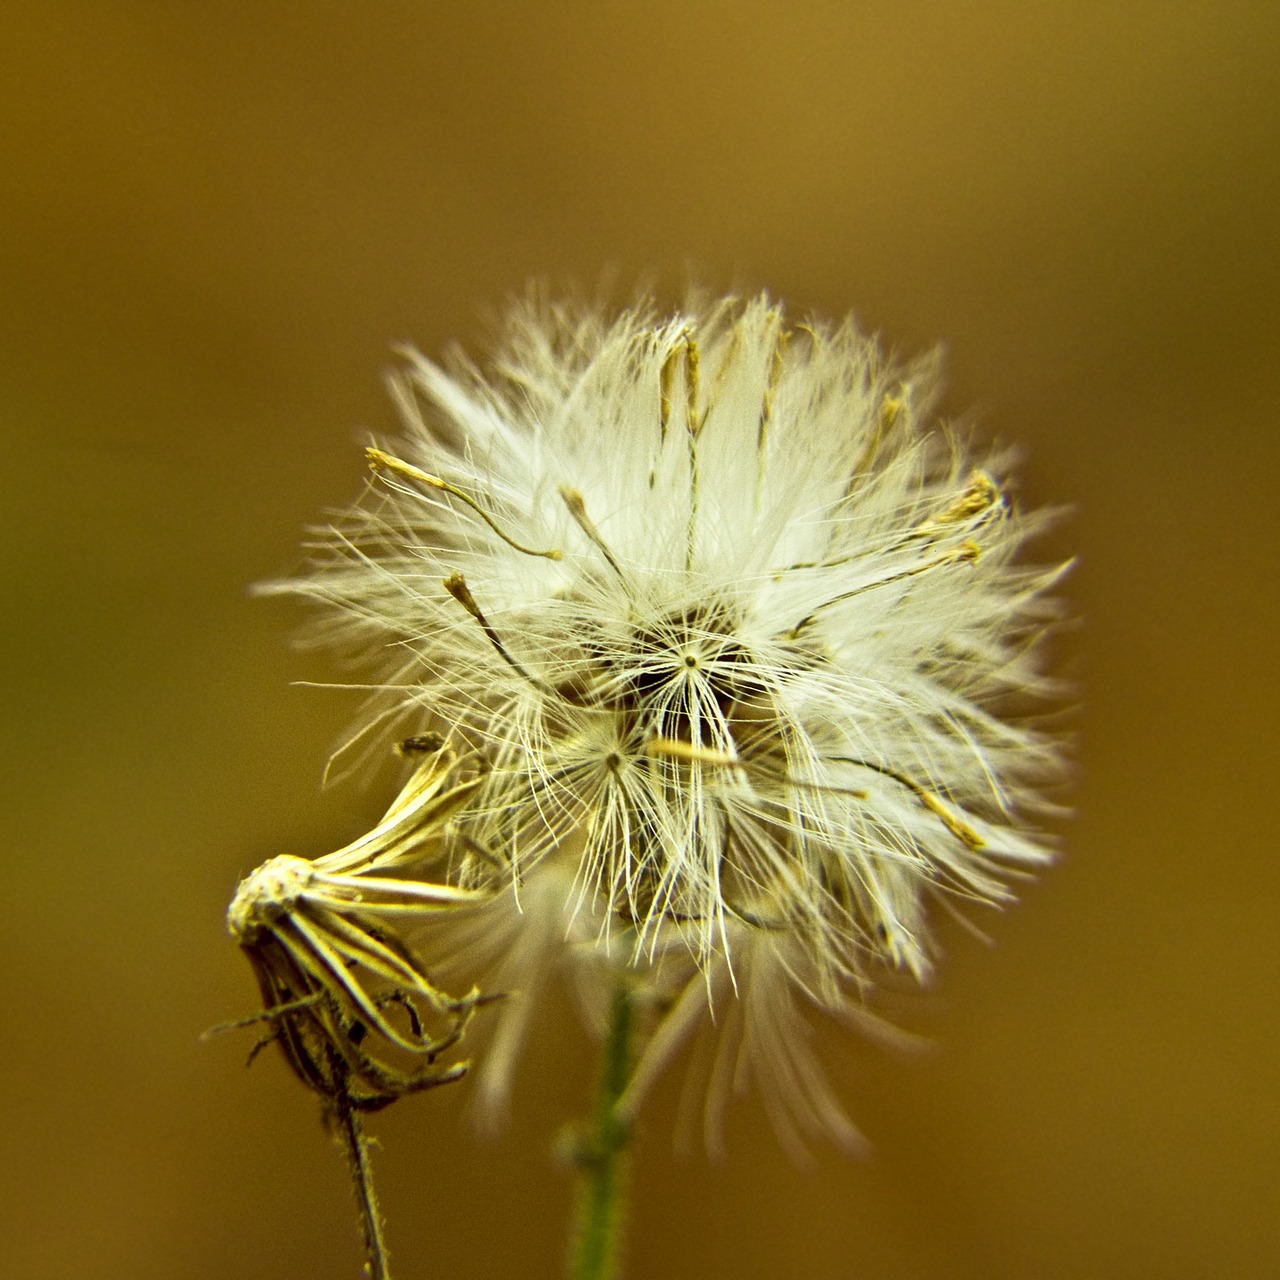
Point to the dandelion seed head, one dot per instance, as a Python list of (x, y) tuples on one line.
[(733, 625)]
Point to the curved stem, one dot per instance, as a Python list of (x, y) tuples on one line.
[(601, 1156)]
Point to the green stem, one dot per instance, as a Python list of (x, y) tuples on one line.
[(601, 1156)]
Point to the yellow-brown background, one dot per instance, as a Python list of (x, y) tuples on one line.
[(215, 219)]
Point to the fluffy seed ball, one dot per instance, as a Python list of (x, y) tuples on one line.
[(735, 629)]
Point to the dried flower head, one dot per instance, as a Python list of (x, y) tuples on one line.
[(356, 1015), (341, 991), (738, 633)]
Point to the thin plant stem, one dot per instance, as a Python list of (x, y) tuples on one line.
[(601, 1156), (352, 1137)]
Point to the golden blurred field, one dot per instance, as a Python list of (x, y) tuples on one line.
[(214, 222)]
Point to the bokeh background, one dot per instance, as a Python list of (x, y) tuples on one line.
[(214, 222)]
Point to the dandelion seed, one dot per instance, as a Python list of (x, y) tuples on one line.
[(740, 636)]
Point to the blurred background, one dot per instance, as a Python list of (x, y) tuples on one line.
[(214, 223)]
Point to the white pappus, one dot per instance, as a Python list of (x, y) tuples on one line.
[(739, 636)]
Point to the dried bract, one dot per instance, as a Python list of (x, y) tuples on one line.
[(341, 990)]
